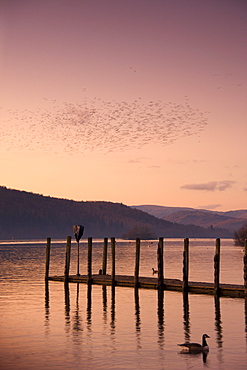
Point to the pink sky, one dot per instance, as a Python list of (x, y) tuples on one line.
[(139, 102)]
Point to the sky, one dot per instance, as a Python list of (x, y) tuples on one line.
[(138, 102)]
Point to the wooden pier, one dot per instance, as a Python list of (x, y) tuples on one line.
[(160, 283)]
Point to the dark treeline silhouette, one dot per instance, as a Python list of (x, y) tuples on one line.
[(26, 215), (240, 235)]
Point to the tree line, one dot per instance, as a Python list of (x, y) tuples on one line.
[(24, 215)]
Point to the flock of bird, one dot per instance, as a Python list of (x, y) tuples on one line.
[(107, 126)]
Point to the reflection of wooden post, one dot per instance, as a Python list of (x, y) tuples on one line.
[(186, 265), (137, 264), (67, 301), (104, 262), (245, 269), (113, 261), (47, 264), (89, 269), (160, 263), (89, 306), (67, 259), (217, 268), (218, 326), (186, 316)]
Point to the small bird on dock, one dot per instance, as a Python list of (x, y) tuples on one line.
[(154, 271), (196, 347)]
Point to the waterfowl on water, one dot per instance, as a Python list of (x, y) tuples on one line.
[(196, 347), (154, 271)]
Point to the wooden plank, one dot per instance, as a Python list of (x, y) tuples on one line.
[(227, 290)]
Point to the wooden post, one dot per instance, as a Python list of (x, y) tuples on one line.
[(113, 261), (160, 263), (137, 264), (89, 265), (104, 262), (186, 265), (67, 259), (217, 268), (245, 269), (47, 264), (78, 259)]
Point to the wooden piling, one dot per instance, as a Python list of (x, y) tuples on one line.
[(226, 290), (113, 268), (160, 263), (104, 262), (78, 259), (185, 266), (137, 263), (89, 260), (47, 264), (67, 259), (245, 269), (217, 268)]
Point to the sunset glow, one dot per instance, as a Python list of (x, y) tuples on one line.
[(139, 102)]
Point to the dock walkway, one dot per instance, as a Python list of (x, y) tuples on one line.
[(226, 290)]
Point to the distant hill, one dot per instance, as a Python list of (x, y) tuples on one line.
[(230, 220), (26, 215)]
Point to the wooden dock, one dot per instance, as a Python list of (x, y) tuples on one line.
[(160, 283), (226, 290)]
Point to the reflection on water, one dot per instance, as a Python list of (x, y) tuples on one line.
[(89, 306), (218, 326), (160, 312), (77, 318), (63, 326), (186, 316), (47, 306), (138, 318), (113, 290), (67, 305)]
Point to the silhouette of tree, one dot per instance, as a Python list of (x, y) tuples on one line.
[(240, 235)]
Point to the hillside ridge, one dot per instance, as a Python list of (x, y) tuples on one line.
[(25, 215), (231, 220)]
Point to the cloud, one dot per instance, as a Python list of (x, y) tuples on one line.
[(140, 160), (154, 166), (210, 206), (210, 186), (137, 160)]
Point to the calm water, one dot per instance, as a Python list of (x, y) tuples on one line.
[(101, 328)]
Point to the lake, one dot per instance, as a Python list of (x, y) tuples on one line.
[(104, 328)]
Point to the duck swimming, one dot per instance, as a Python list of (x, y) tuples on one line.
[(196, 347)]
